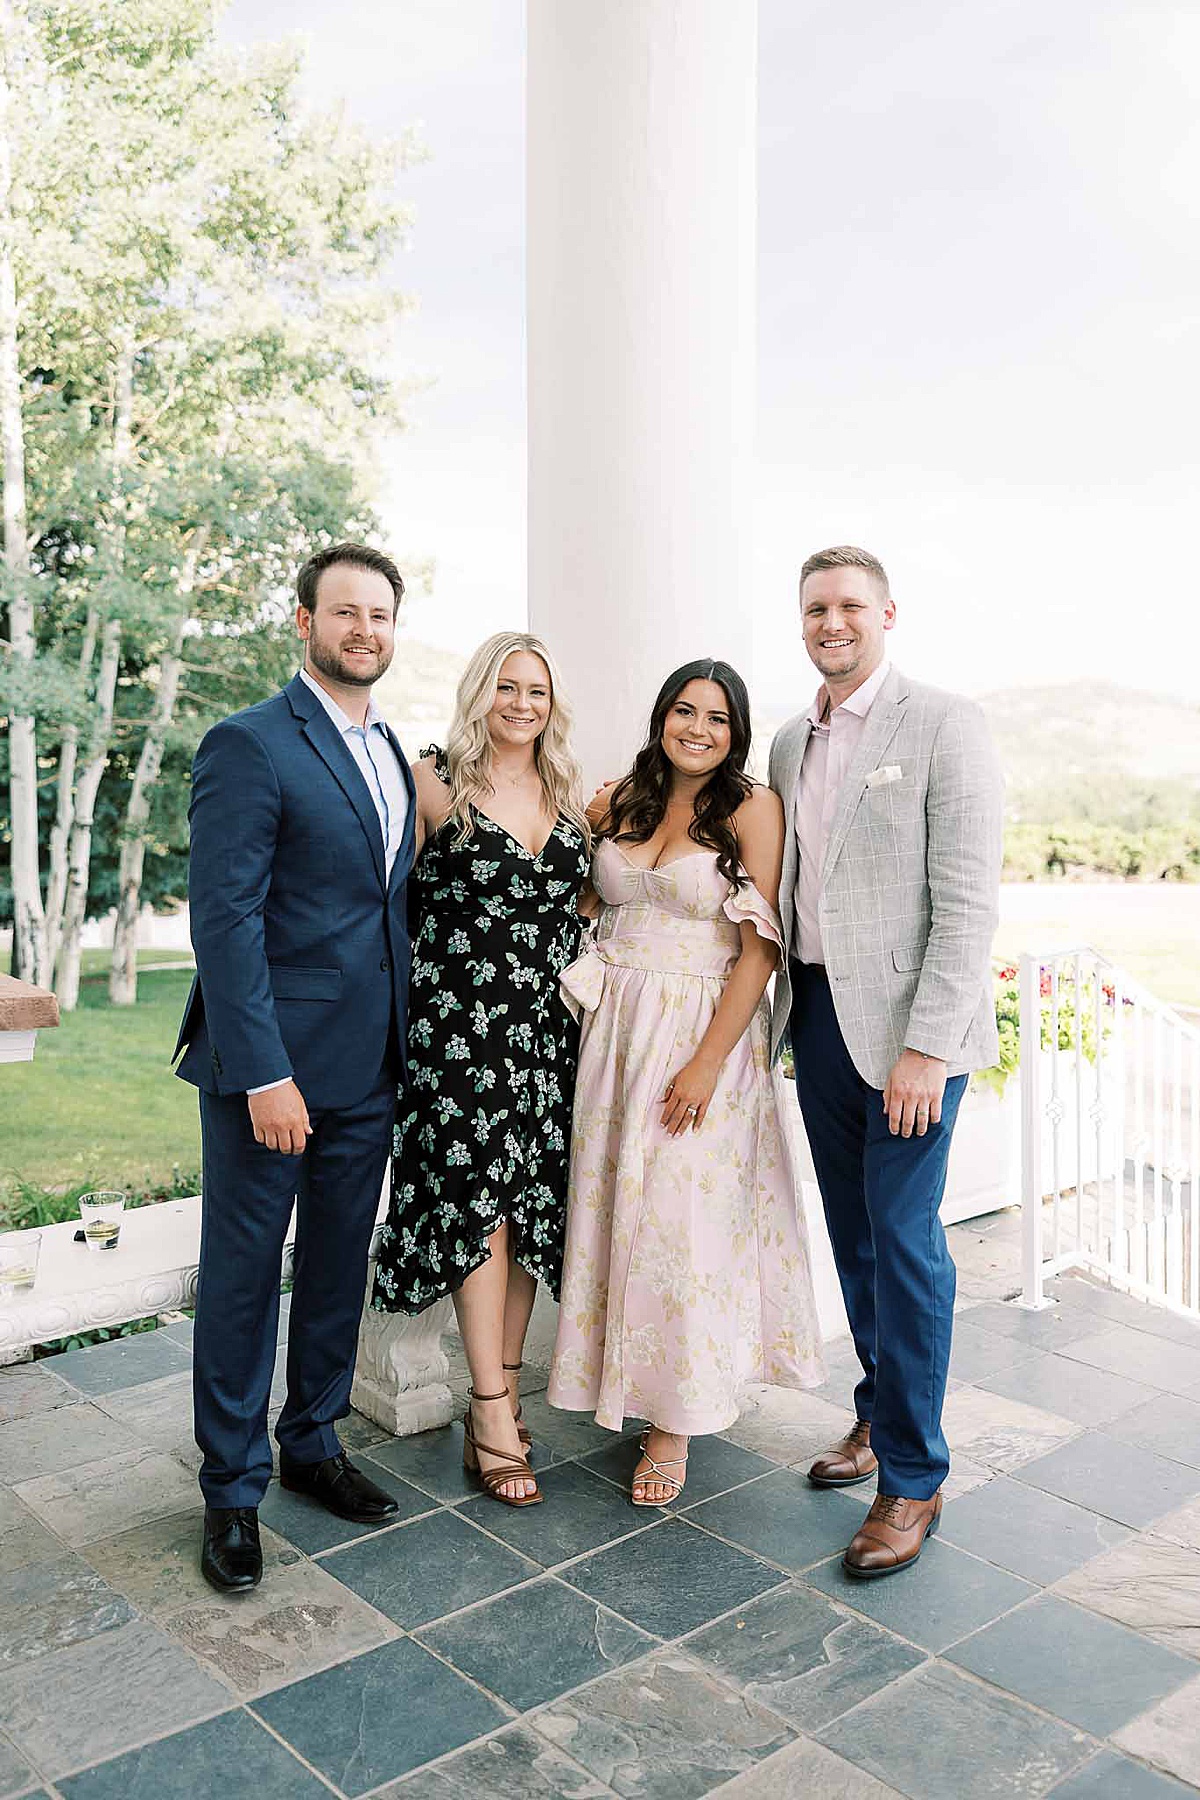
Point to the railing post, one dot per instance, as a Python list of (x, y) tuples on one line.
[(1033, 1291)]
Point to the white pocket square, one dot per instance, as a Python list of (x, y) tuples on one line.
[(889, 772)]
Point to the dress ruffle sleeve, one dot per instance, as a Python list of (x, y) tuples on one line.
[(747, 906)]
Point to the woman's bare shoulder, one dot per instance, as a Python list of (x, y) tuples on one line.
[(598, 805)]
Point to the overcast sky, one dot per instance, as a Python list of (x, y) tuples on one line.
[(979, 347)]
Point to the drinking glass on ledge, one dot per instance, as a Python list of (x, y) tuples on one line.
[(18, 1262), (101, 1215)]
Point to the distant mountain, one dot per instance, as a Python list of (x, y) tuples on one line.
[(1084, 728)]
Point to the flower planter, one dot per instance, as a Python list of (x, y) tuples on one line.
[(985, 1154)]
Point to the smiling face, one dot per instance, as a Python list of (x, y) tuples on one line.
[(695, 733), (844, 614), (351, 633), (524, 697)]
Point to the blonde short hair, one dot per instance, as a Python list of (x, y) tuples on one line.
[(845, 556), (469, 744)]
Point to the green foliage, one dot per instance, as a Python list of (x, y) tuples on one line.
[(1073, 1023), (1164, 852)]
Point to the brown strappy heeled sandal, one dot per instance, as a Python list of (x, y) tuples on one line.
[(522, 1427), (510, 1468), (659, 1474)]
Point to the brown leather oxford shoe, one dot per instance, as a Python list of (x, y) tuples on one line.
[(893, 1535), (846, 1462)]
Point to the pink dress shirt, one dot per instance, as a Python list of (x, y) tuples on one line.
[(827, 757)]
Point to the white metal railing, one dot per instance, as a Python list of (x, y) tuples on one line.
[(1110, 1132)]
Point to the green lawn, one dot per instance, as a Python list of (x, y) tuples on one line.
[(99, 1102)]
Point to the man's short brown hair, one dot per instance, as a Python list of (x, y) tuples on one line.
[(358, 556), (845, 556)]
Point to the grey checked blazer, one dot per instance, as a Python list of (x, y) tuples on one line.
[(910, 883)]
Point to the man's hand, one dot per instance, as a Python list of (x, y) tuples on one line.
[(912, 1098), (280, 1118)]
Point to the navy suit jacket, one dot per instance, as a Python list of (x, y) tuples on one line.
[(301, 941)]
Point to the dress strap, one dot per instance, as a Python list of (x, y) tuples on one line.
[(441, 765)]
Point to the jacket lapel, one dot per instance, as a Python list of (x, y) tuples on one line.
[(329, 745), (883, 721), (405, 856)]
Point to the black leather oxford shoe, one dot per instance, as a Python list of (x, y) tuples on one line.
[(339, 1487), (231, 1558)]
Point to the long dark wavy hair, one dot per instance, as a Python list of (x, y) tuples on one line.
[(638, 803)]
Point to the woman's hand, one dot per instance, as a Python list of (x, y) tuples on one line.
[(688, 1094)]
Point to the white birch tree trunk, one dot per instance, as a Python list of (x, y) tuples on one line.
[(60, 832), (29, 954), (79, 856)]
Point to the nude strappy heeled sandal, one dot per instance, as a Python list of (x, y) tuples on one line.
[(522, 1427), (509, 1468), (659, 1474)]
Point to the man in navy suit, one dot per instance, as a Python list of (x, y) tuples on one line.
[(303, 833)]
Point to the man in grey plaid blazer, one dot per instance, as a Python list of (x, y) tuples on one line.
[(893, 801)]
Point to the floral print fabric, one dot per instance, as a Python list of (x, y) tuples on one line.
[(686, 1272), (483, 1132)]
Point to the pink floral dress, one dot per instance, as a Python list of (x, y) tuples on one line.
[(686, 1271)]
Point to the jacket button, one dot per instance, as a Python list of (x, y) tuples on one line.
[(384, 964)]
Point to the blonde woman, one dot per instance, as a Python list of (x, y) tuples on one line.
[(479, 1171)]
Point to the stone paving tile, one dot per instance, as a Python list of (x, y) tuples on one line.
[(372, 1719), (1072, 1390), (1168, 1424), (311, 1528), (1098, 1472), (122, 1363), (1168, 1735), (48, 1605), (663, 1728), (1049, 1330), (713, 1466), (16, 1775), (534, 1645), (582, 1511), (1111, 1777), (23, 1538), (806, 1659), (933, 1605), (1181, 1526), (108, 1693), (806, 1771), (1034, 1535), (788, 1426), (157, 1566), (1081, 1668), (567, 1435), (514, 1765), (1137, 1355), (1148, 1583), (940, 1736), (158, 1413), (28, 1388), (975, 1351), (425, 1570), (298, 1621), (998, 1432), (1075, 1293), (433, 1462), (93, 1500), (48, 1442), (227, 1758), (671, 1579), (782, 1518)]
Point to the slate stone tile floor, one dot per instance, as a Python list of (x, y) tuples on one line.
[(1047, 1644)]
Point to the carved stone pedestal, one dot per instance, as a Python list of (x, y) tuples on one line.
[(400, 1379)]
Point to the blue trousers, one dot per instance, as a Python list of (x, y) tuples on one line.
[(247, 1202), (881, 1196)]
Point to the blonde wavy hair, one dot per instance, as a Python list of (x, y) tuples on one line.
[(469, 744)]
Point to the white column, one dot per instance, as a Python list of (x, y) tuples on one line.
[(641, 283)]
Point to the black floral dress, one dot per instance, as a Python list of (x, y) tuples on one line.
[(483, 1132)]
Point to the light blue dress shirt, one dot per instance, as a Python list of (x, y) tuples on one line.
[(371, 748)]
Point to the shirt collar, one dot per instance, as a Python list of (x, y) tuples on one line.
[(859, 702), (374, 716)]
